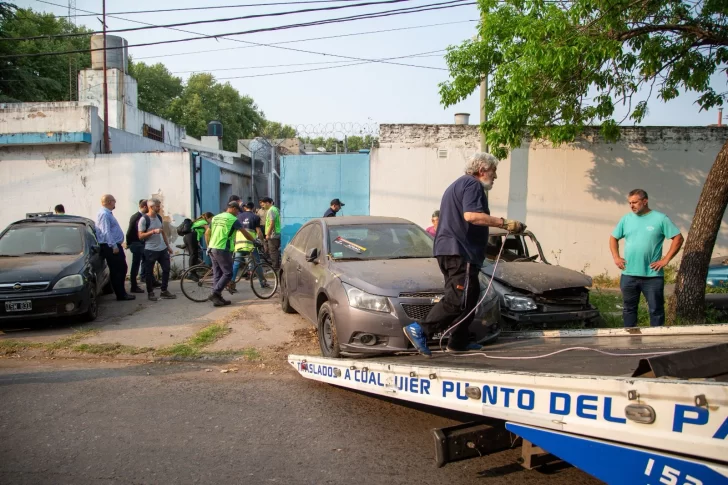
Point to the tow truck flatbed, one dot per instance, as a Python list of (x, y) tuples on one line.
[(667, 425)]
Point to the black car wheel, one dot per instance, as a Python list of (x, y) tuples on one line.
[(93, 305), (328, 339), (285, 303)]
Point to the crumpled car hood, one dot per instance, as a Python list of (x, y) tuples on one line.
[(537, 277)]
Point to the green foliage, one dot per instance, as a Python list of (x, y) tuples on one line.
[(556, 67), (157, 87), (275, 130), (353, 143), (31, 79), (203, 99)]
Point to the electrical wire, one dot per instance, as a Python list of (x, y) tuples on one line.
[(211, 7), (275, 44), (269, 29), (490, 284), (208, 21), (271, 45), (569, 349), (291, 65)]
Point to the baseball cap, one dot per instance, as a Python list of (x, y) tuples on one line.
[(337, 202)]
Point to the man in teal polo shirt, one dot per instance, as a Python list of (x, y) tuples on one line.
[(644, 231)]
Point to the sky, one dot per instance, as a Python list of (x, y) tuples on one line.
[(360, 95)]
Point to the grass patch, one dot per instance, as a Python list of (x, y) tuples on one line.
[(193, 345), (110, 349), (208, 335), (12, 346), (69, 341), (250, 354)]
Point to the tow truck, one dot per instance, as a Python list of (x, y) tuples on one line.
[(628, 406)]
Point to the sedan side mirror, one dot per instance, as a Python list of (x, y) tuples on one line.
[(312, 255)]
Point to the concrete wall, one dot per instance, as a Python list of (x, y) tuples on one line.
[(36, 179), (123, 111), (570, 196), (124, 142)]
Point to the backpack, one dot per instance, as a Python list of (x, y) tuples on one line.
[(149, 221), (184, 228)]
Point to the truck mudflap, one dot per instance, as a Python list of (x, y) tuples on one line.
[(617, 463)]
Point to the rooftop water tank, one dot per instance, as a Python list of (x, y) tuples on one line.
[(214, 128), (117, 52)]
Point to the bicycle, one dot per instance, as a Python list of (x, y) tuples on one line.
[(196, 282)]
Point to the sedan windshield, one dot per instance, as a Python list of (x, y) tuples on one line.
[(379, 241), (41, 240)]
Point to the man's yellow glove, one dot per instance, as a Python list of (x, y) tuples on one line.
[(512, 226)]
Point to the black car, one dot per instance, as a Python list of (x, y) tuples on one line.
[(51, 266)]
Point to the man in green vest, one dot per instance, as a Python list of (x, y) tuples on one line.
[(272, 231), (221, 244)]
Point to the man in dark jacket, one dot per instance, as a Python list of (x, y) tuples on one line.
[(334, 207), (136, 246)]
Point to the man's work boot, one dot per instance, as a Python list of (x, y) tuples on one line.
[(136, 289), (227, 302), (152, 297), (232, 288), (157, 284), (216, 300), (166, 295)]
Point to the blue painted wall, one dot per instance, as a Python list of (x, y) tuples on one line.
[(210, 186), (309, 182)]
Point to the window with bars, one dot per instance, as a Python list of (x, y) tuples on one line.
[(153, 133)]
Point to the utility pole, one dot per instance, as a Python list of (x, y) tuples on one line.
[(106, 89), (71, 58), (483, 114)]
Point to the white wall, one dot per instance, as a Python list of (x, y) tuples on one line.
[(570, 197), (68, 117), (34, 180), (123, 111)]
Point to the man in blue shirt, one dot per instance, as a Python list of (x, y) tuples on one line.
[(110, 236), (644, 231), (460, 243)]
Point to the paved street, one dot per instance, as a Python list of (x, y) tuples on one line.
[(66, 422)]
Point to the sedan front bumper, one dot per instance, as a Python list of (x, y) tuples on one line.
[(549, 317), (46, 304)]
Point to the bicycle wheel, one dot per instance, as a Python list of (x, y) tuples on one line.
[(269, 285), (196, 283)]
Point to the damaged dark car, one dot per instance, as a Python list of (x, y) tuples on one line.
[(532, 292)]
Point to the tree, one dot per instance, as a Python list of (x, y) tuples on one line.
[(275, 130), (203, 99), (28, 79), (157, 87), (558, 67)]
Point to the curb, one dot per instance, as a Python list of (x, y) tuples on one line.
[(717, 329)]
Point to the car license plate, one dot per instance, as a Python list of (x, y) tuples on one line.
[(18, 306)]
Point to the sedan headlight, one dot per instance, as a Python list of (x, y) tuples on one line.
[(519, 303), (72, 281), (365, 301)]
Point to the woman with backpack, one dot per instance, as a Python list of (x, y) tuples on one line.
[(195, 239)]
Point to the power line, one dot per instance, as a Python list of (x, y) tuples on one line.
[(299, 64), (273, 44), (209, 21), (330, 67), (366, 61), (211, 7), (430, 7)]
